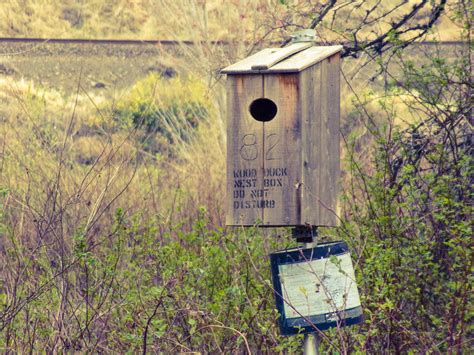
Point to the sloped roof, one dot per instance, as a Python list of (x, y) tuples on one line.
[(292, 59)]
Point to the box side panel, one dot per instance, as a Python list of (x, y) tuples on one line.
[(329, 154), (244, 151), (310, 102), (334, 63), (282, 152), (320, 101)]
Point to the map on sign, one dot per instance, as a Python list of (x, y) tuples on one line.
[(319, 286)]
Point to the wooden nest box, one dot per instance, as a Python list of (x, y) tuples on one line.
[(283, 137)]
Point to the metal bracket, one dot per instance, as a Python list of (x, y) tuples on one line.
[(308, 35), (305, 234)]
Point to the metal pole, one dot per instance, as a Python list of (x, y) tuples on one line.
[(311, 344), (306, 237)]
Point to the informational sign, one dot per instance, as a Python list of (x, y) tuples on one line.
[(319, 287), (315, 288)]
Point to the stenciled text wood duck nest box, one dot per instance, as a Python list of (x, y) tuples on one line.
[(283, 137)]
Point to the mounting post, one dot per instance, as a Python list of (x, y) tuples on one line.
[(311, 344), (306, 237)]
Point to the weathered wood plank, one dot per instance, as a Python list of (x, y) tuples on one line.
[(329, 148), (304, 59), (292, 59), (245, 65), (310, 102), (265, 62), (323, 197), (334, 68), (244, 146), (282, 137)]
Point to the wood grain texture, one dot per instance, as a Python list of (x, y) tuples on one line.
[(291, 59), (265, 62), (283, 147), (334, 91), (244, 146), (328, 156), (304, 59), (323, 197), (310, 102), (284, 172), (320, 103), (245, 65)]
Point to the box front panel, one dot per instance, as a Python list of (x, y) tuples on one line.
[(264, 150)]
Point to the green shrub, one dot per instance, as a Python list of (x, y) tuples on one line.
[(408, 217), (167, 110), (204, 290)]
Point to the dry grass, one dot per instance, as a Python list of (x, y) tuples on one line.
[(75, 145), (236, 20), (67, 166)]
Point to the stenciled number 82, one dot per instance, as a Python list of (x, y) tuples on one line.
[(249, 150)]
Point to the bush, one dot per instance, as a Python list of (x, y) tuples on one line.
[(408, 218), (137, 288), (168, 108)]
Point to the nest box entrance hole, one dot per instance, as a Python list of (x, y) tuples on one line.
[(263, 110)]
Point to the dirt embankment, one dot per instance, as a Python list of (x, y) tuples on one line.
[(98, 66)]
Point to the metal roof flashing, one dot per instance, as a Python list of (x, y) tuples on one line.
[(292, 59)]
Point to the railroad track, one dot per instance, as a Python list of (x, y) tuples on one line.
[(164, 42), (102, 64), (99, 41)]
